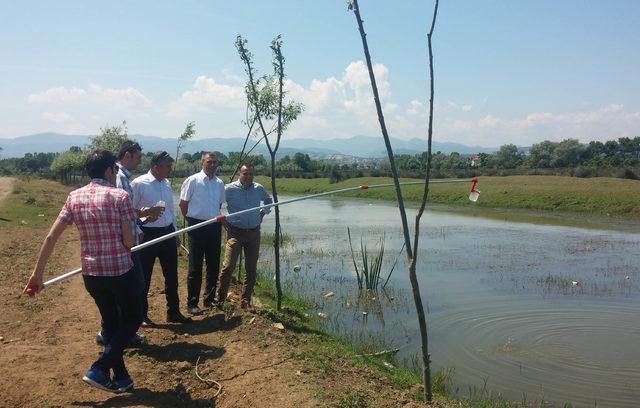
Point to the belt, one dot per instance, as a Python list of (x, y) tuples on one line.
[(158, 229), (244, 229)]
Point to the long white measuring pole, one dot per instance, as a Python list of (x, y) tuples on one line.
[(221, 218)]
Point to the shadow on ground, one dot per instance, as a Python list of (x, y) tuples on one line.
[(178, 397), (181, 351)]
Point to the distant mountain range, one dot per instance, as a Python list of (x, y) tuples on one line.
[(364, 147)]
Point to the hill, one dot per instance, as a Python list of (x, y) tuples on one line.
[(357, 146)]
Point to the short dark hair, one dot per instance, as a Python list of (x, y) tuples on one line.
[(98, 161), (246, 164), (205, 154), (160, 157), (128, 146)]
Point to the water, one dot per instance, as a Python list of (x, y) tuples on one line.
[(544, 311)]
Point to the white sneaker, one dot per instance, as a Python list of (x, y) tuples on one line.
[(194, 310)]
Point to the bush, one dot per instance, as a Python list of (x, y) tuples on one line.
[(627, 173)]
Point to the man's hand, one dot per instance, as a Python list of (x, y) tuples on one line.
[(178, 242), (153, 213), (34, 285)]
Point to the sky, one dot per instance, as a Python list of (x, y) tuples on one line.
[(505, 71)]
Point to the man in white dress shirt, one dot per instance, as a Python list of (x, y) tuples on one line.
[(152, 190), (201, 197)]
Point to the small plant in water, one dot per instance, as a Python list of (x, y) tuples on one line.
[(369, 275)]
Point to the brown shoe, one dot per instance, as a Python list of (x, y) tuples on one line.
[(178, 317)]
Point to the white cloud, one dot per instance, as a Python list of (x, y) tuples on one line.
[(58, 95), (207, 95), (342, 106), (607, 123), (451, 105), (119, 98), (416, 108), (95, 96), (336, 106)]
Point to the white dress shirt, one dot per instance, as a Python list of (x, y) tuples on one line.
[(147, 191), (205, 195)]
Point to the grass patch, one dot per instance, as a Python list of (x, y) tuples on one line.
[(353, 399), (326, 354), (600, 195), (33, 203)]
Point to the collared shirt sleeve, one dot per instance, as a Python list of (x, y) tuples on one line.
[(266, 199), (186, 191), (66, 215), (135, 188), (127, 212), (223, 195)]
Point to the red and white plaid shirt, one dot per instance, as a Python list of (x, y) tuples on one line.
[(98, 210)]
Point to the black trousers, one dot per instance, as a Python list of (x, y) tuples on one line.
[(167, 252), (204, 243), (136, 270), (118, 299)]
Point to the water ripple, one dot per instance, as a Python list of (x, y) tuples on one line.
[(568, 352)]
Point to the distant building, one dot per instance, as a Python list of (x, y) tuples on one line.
[(474, 159)]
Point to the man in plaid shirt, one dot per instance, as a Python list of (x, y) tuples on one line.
[(104, 217), (128, 159)]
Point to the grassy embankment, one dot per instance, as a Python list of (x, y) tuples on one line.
[(35, 203), (554, 194)]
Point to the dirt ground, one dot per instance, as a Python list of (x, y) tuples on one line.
[(47, 344)]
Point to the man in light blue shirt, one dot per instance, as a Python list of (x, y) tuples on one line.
[(243, 231)]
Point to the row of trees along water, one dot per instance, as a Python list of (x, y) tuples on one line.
[(613, 158)]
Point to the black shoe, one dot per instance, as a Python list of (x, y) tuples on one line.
[(136, 341), (178, 317), (210, 303)]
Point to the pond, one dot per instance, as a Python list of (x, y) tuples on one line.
[(531, 311)]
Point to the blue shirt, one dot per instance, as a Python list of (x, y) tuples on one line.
[(122, 181), (242, 198)]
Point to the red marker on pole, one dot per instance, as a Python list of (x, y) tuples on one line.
[(474, 193)]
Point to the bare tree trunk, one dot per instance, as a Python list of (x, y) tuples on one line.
[(276, 234), (283, 119), (411, 251), (279, 68), (426, 362), (385, 135)]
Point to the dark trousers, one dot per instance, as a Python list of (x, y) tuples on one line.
[(204, 243), (137, 270), (167, 252), (118, 300)]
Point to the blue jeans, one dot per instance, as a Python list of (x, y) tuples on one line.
[(120, 305)]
